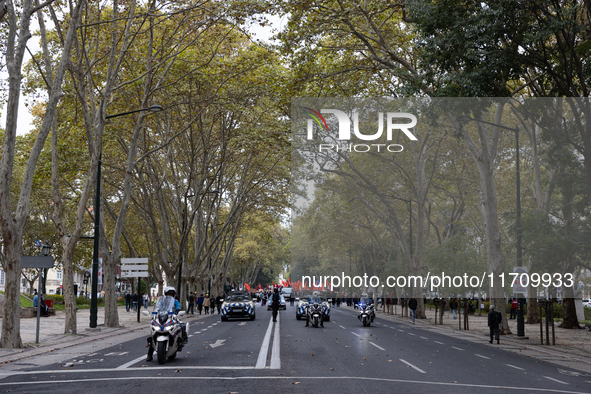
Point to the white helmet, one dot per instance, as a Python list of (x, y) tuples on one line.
[(169, 289)]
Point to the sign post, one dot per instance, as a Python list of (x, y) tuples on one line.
[(135, 268)]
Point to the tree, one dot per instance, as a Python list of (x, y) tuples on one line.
[(13, 219)]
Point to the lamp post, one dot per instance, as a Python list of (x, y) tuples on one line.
[(97, 207), (520, 299), (45, 250), (86, 277)]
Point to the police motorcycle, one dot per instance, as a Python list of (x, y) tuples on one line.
[(167, 336), (314, 312), (366, 312)]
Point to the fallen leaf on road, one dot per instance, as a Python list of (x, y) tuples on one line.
[(364, 358), (295, 382), (332, 369), (313, 354)]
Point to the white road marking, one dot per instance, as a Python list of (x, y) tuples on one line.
[(556, 380), (379, 347), (342, 327), (488, 358), (412, 366), (458, 348), (400, 330), (441, 343), (354, 333), (130, 363), (253, 378), (513, 366), (262, 359), (219, 342), (424, 338), (410, 333), (275, 355)]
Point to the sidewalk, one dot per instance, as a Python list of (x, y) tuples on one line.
[(52, 337), (573, 347)]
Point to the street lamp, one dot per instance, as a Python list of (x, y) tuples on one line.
[(520, 299), (97, 208), (45, 250)]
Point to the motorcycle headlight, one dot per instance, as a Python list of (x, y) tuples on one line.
[(168, 328)]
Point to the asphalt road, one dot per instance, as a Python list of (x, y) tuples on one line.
[(243, 356)]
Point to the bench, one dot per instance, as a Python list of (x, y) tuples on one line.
[(31, 312)]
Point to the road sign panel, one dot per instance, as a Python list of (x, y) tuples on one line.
[(136, 274), (134, 267), (137, 260)]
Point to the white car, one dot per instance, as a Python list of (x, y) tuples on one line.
[(281, 303), (587, 303)]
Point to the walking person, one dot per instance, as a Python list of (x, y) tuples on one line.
[(191, 308), (513, 314), (494, 319), (206, 303), (453, 305), (134, 300), (200, 303), (275, 301), (412, 305), (128, 301), (146, 300), (218, 303)]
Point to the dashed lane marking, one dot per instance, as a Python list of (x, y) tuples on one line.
[(457, 348), (423, 337), (555, 380), (441, 343), (488, 358), (379, 347), (354, 333), (412, 366), (342, 327), (513, 366)]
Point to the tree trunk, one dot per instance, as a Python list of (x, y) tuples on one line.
[(11, 323), (110, 287), (569, 311), (68, 287)]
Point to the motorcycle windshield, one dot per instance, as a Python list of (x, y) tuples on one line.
[(364, 302), (164, 304)]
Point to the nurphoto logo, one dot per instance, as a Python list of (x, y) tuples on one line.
[(393, 122)]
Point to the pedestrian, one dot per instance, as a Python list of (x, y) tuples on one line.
[(494, 319), (412, 305), (41, 302), (453, 305), (206, 303), (127, 301), (513, 314), (218, 303), (146, 300), (275, 301), (200, 303), (191, 308), (134, 300)]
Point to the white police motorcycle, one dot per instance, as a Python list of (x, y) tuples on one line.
[(314, 312), (167, 334), (366, 312)]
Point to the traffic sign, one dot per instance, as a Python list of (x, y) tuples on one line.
[(134, 274), (137, 260), (134, 267)]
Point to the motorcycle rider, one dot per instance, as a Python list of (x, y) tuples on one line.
[(275, 301), (170, 291), (311, 301)]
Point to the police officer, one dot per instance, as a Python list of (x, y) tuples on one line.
[(275, 301)]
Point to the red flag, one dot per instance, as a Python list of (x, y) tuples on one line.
[(247, 286)]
